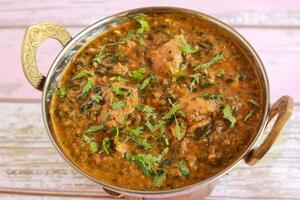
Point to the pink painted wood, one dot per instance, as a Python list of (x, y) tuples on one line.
[(28, 160)]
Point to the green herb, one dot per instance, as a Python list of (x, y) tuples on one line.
[(118, 105), (138, 35), (116, 131), (119, 78), (181, 74), (97, 98), (183, 168), (178, 134), (106, 145), (147, 163), (252, 101), (114, 57), (142, 142), (214, 60), (157, 126), (175, 108), (118, 90), (195, 80), (150, 111), (144, 24), (138, 74), (165, 151), (227, 114), (249, 115), (129, 36), (158, 180), (93, 145), (221, 73), (88, 86), (167, 141), (100, 56), (208, 96), (186, 48), (105, 116), (145, 82), (95, 128), (61, 92), (135, 134), (83, 73), (143, 167)]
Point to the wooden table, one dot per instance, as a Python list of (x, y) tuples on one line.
[(30, 167)]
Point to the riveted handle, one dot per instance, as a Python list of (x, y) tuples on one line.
[(283, 109), (33, 37)]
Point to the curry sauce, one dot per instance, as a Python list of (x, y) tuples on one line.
[(158, 102)]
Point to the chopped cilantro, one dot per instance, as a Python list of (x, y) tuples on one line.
[(137, 74), (221, 73), (106, 145), (144, 84), (135, 134), (187, 48), (155, 127), (83, 73), (227, 114), (252, 101), (158, 180), (118, 105), (119, 78), (61, 92), (249, 115), (95, 128), (183, 168), (97, 98), (195, 80), (118, 90), (178, 133), (100, 56), (88, 86), (147, 163), (93, 145), (150, 111), (214, 60), (175, 108)]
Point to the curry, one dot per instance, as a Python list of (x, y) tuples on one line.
[(158, 102)]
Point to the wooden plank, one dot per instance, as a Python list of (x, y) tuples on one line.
[(83, 13), (29, 161), (278, 48)]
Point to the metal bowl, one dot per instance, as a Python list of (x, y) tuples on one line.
[(36, 34)]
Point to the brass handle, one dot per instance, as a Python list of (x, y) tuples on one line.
[(35, 35), (284, 108)]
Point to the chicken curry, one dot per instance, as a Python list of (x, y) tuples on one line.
[(159, 102)]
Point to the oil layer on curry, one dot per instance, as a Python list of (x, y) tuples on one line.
[(159, 102)]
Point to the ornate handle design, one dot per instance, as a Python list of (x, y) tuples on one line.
[(284, 108), (35, 35)]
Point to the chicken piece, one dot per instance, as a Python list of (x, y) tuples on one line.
[(182, 132), (195, 106), (167, 58), (116, 117), (119, 69)]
